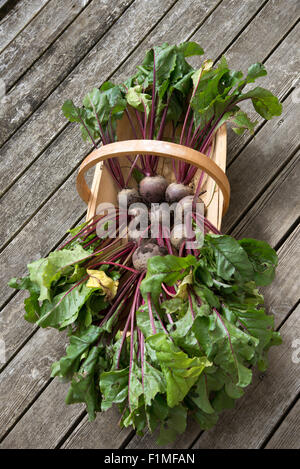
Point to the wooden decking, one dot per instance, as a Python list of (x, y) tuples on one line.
[(52, 50)]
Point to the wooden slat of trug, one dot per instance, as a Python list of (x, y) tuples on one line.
[(17, 193), (287, 435), (48, 121), (36, 37), (17, 18), (24, 98)]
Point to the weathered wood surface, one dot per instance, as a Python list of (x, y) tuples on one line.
[(287, 435), (17, 18), (35, 414), (36, 37)]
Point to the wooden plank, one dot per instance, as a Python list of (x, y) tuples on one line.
[(36, 37), (36, 240), (287, 435), (103, 433), (266, 400), (47, 121), (17, 18), (27, 374), (71, 47), (261, 160), (41, 423), (283, 293), (285, 62)]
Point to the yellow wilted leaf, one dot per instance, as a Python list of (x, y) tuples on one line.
[(99, 279), (182, 289)]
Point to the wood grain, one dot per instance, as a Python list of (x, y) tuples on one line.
[(287, 435), (43, 226), (283, 70), (27, 374), (36, 37), (276, 209), (79, 42), (17, 18)]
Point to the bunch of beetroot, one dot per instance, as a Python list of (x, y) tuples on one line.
[(165, 319)]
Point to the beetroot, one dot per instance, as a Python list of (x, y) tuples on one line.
[(176, 192), (126, 197), (146, 251), (153, 188)]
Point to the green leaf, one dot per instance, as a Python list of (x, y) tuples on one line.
[(231, 259), (84, 386), (263, 259), (227, 346), (139, 100), (242, 122), (114, 387), (79, 344), (153, 382), (264, 102), (64, 308), (255, 71), (190, 48), (174, 425), (46, 271), (180, 371), (164, 269)]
